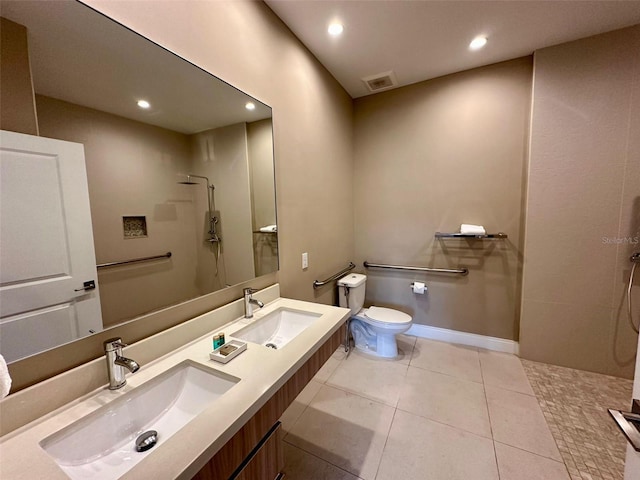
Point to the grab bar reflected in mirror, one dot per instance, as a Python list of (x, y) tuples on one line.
[(135, 260)]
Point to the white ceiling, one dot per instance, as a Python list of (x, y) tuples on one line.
[(83, 57), (423, 39)]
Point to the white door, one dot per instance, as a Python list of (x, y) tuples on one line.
[(46, 246)]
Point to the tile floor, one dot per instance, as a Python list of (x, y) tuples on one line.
[(443, 411), (574, 403)]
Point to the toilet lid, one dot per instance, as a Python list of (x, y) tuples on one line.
[(387, 315)]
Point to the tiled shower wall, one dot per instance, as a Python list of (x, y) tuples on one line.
[(583, 204)]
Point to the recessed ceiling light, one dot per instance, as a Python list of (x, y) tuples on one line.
[(477, 43), (143, 104), (250, 106), (335, 29)]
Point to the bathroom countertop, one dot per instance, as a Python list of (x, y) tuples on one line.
[(262, 372)]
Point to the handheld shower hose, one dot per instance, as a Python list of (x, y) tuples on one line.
[(635, 259)]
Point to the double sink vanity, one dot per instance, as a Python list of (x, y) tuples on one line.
[(211, 420)]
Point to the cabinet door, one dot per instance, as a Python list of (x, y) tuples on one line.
[(267, 462)]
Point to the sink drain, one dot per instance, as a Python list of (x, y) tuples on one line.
[(146, 441), (271, 345)]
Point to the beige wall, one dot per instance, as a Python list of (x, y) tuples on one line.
[(429, 157), (17, 108), (132, 171), (584, 193)]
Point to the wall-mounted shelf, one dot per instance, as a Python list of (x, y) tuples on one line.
[(471, 235)]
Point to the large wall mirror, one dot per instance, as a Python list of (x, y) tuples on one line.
[(187, 177)]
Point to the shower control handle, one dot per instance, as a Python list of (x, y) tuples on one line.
[(86, 286)]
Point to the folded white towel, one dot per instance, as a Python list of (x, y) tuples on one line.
[(269, 228), (5, 378), (472, 229)]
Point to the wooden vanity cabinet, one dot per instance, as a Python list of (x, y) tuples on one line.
[(255, 453), (266, 461)]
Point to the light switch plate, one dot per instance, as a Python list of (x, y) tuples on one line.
[(305, 260)]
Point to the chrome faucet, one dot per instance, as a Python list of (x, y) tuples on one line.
[(116, 363), (249, 302)]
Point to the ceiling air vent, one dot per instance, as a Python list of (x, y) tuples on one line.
[(381, 81)]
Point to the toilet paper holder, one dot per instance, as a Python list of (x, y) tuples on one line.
[(419, 288)]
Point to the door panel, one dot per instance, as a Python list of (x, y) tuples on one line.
[(46, 245), (47, 328), (33, 215)]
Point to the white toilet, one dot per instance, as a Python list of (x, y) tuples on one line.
[(374, 329)]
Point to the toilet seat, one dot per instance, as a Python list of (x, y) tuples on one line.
[(386, 316)]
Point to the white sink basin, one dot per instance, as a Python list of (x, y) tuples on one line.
[(277, 328), (102, 444)]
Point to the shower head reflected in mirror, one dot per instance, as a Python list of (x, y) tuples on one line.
[(188, 181), (213, 220)]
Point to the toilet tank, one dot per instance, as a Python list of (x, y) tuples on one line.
[(356, 282)]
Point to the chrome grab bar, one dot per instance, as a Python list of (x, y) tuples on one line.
[(455, 271), (135, 260), (318, 284)]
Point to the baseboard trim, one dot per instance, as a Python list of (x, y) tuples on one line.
[(464, 338)]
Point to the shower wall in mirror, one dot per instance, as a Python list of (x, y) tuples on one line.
[(191, 174)]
